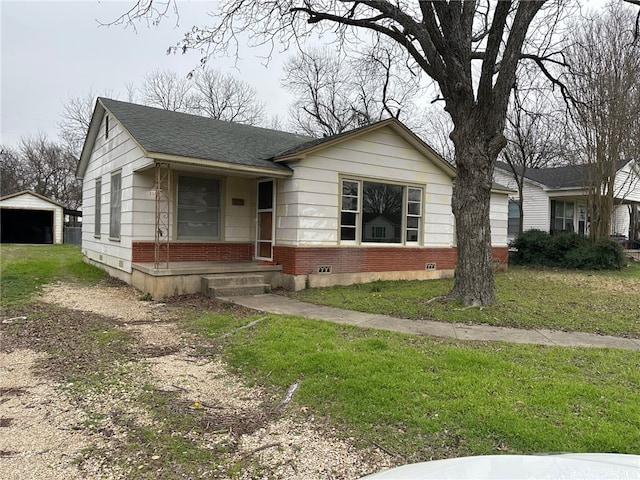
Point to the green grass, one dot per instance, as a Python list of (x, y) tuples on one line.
[(417, 396), (601, 302), (428, 398), (25, 268)]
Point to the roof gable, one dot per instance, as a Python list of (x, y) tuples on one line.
[(305, 149), (32, 194)]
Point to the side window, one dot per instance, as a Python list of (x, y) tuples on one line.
[(513, 226), (115, 205), (98, 209)]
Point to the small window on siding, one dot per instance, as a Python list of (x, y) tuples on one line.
[(106, 127), (513, 226), (116, 205), (98, 209)]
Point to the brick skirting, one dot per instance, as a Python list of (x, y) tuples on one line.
[(307, 260), (193, 252)]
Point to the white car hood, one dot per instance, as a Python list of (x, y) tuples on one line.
[(578, 466)]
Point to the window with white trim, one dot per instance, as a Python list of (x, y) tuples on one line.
[(198, 208), (377, 212), (115, 205)]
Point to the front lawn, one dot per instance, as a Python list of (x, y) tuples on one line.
[(599, 302), (427, 398), (417, 398)]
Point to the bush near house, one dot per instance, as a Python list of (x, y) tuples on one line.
[(567, 250)]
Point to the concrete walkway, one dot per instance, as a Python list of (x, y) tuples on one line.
[(289, 306)]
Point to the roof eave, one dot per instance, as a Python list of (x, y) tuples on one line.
[(283, 172), (90, 139)]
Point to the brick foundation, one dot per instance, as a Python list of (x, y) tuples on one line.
[(193, 252), (306, 260)]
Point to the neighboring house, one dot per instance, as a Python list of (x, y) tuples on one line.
[(170, 197), (27, 217), (555, 199)]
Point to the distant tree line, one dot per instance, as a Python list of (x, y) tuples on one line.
[(591, 114)]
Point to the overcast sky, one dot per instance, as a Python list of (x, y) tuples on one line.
[(53, 50)]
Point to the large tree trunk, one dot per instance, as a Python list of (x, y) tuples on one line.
[(471, 203)]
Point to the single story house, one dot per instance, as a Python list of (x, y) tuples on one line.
[(28, 217), (555, 199), (176, 203)]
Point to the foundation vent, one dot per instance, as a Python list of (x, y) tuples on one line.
[(324, 269), (429, 266)]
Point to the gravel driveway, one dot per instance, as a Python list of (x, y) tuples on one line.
[(43, 432)]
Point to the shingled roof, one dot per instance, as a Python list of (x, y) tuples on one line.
[(164, 134), (558, 178), (174, 133)]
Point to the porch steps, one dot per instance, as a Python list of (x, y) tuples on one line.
[(232, 284)]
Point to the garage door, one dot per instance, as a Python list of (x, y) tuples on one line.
[(26, 226)]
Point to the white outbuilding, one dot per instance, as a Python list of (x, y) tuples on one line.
[(27, 217)]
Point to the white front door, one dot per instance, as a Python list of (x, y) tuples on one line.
[(265, 228)]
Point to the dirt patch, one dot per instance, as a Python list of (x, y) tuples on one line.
[(51, 431)]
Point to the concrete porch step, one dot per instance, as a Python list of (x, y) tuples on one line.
[(223, 280), (234, 284), (233, 291)]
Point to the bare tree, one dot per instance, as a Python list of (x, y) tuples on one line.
[(76, 116), (11, 171), (323, 106), (166, 89), (225, 97), (44, 167), (433, 125), (470, 49), (335, 93), (605, 60), (533, 136)]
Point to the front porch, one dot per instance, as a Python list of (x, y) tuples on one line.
[(168, 279)]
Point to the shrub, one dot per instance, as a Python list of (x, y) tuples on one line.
[(531, 248), (567, 250), (561, 244), (604, 254)]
